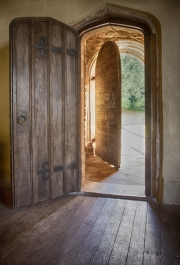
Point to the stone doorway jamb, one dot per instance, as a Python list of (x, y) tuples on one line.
[(150, 26)]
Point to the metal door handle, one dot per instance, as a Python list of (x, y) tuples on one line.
[(22, 117)]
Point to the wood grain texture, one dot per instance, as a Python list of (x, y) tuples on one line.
[(12, 234), (71, 112), (40, 135), (56, 110), (77, 241), (92, 242), (40, 233), (136, 247), (121, 246), (45, 71), (21, 96), (73, 226), (91, 230), (170, 236), (152, 247), (104, 250)]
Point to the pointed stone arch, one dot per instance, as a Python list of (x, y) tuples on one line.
[(110, 14)]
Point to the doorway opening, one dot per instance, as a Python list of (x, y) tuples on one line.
[(108, 15), (133, 125), (100, 175)]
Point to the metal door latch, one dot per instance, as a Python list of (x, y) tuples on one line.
[(22, 117)]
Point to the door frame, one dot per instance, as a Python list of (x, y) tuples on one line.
[(150, 26)]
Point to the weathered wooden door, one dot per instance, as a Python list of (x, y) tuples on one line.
[(44, 110), (108, 104)]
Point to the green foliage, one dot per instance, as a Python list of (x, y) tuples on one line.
[(133, 88)]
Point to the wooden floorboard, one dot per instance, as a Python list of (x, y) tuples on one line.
[(23, 219), (92, 242), (104, 250), (77, 241), (63, 238), (136, 247), (152, 247), (84, 230), (170, 235), (33, 240), (121, 246), (5, 213)]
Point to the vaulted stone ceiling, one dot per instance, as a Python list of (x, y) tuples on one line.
[(94, 39)]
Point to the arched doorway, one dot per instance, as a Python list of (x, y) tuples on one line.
[(116, 16), (116, 128)]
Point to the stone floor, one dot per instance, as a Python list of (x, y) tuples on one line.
[(129, 180)]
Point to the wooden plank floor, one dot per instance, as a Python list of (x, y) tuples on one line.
[(82, 230)]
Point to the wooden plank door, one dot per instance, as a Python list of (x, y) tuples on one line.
[(108, 104), (44, 110)]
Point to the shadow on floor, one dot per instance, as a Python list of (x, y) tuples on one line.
[(97, 169), (129, 180), (90, 230), (102, 177), (6, 197)]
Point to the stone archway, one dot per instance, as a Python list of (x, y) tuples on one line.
[(114, 15), (129, 41)]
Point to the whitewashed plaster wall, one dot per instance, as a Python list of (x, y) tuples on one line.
[(70, 12)]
